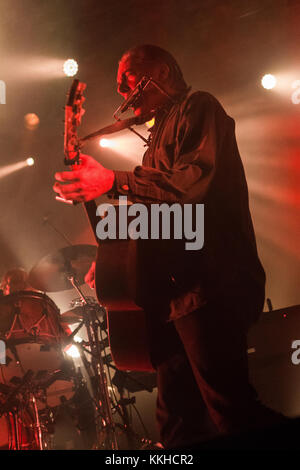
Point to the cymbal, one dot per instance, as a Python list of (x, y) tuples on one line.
[(50, 274), (72, 316), (67, 317)]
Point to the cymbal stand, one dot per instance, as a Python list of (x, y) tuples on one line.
[(38, 423), (99, 379), (17, 442)]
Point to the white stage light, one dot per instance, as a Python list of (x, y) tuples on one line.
[(72, 351), (30, 161), (268, 81), (296, 94), (70, 67), (105, 143)]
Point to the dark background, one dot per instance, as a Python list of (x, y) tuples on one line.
[(223, 47)]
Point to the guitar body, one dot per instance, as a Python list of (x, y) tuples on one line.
[(127, 322)]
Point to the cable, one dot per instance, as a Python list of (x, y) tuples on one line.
[(108, 369), (141, 421)]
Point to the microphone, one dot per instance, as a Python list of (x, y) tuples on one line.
[(130, 100), (134, 95)]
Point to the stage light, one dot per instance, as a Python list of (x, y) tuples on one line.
[(127, 146), (72, 351), (13, 167), (70, 67), (106, 143), (30, 161), (150, 123), (268, 81), (296, 94), (31, 121)]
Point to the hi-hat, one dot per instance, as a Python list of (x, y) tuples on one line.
[(51, 273), (72, 316)]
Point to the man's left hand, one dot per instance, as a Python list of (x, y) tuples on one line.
[(88, 181)]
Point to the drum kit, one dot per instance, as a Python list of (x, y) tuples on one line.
[(46, 402)]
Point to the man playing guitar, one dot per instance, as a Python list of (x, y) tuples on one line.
[(214, 294)]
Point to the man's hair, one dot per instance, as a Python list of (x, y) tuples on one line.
[(147, 53), (16, 277)]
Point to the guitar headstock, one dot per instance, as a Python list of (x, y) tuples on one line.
[(73, 114)]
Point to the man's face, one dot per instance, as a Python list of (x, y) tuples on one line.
[(129, 74)]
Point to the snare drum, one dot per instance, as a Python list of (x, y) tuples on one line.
[(31, 329)]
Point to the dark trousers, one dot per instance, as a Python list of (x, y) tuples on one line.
[(203, 386)]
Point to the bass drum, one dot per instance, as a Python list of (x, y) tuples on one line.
[(30, 327)]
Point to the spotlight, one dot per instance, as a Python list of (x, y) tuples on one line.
[(8, 169), (30, 161), (70, 67), (150, 123), (296, 94), (72, 351), (31, 121), (268, 81), (106, 143)]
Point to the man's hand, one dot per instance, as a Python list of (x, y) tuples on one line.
[(88, 181), (90, 276)]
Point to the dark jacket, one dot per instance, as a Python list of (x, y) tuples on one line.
[(193, 158)]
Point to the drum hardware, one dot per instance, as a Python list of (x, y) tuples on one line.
[(96, 368), (11, 399), (35, 372), (132, 381), (38, 424), (17, 319), (70, 339), (61, 271), (77, 313), (50, 274), (48, 381), (77, 304), (46, 220), (10, 345), (13, 407), (50, 425)]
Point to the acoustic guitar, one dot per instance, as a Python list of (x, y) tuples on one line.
[(117, 263)]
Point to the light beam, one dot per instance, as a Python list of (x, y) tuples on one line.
[(8, 169)]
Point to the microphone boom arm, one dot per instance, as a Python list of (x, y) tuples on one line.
[(116, 127)]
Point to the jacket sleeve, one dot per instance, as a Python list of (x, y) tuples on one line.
[(199, 137)]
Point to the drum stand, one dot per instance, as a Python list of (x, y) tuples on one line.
[(38, 423), (97, 373), (16, 401)]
